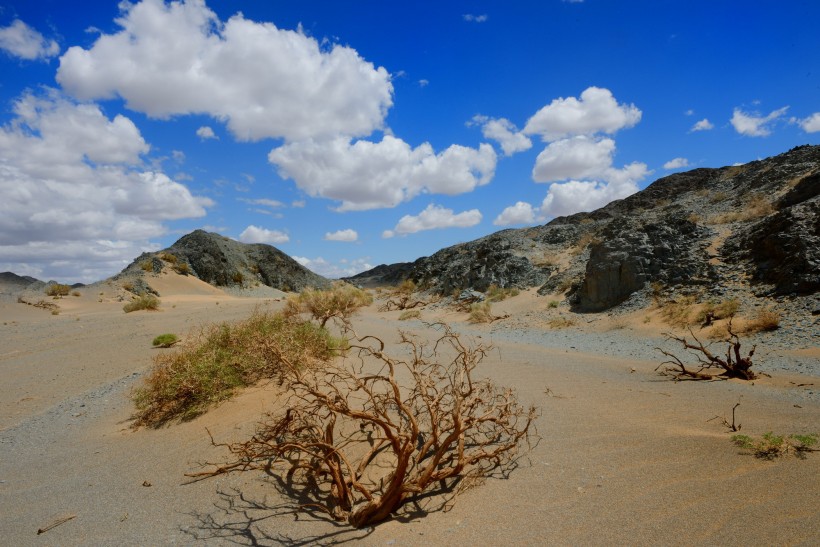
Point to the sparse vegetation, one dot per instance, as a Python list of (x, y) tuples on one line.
[(75, 293), (481, 312), (221, 358), (561, 322), (401, 298), (553, 304), (165, 340), (734, 365), (238, 277), (359, 444), (340, 302), (756, 206), (410, 314), (766, 319), (714, 310), (128, 286), (169, 258), (182, 268), (147, 266), (144, 302), (587, 239), (495, 293), (770, 446), (58, 290)]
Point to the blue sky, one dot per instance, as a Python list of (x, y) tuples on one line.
[(351, 134)]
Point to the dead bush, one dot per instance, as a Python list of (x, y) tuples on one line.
[(360, 443), (733, 365), (765, 319), (401, 298)]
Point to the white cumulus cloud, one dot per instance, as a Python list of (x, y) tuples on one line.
[(343, 268), (520, 213), (369, 175), (434, 217), (576, 157), (20, 40), (596, 111), (702, 125), (255, 234), (583, 196), (71, 180), (811, 124), (179, 58), (753, 124), (505, 133), (676, 163), (342, 235)]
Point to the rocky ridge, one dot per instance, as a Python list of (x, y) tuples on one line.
[(753, 227), (224, 262)]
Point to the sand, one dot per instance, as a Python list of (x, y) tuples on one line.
[(625, 456)]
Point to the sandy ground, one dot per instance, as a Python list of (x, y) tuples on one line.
[(625, 456)]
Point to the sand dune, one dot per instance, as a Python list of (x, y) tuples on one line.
[(625, 456)]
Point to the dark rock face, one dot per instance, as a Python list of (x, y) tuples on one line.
[(477, 265), (669, 233), (783, 249), (224, 262), (633, 254)]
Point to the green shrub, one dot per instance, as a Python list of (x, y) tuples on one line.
[(58, 289), (165, 340), (553, 304), (144, 302), (770, 446), (220, 358)]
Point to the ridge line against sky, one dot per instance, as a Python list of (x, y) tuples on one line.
[(354, 134)]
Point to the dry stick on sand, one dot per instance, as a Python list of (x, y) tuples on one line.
[(362, 444), (56, 523), (733, 365)]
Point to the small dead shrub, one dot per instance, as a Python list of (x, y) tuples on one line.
[(147, 266), (182, 268), (733, 365), (561, 322), (678, 312), (169, 258), (764, 320), (359, 443), (495, 293)]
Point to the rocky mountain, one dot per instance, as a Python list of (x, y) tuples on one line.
[(224, 262), (12, 283), (756, 225)]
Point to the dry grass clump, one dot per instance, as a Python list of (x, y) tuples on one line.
[(678, 312), (561, 322), (182, 268), (147, 266), (57, 290), (169, 258), (481, 312), (220, 358), (713, 310), (409, 314), (144, 302), (770, 446), (764, 320), (756, 206), (585, 241), (495, 293), (340, 301)]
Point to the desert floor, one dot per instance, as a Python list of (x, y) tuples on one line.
[(625, 456)]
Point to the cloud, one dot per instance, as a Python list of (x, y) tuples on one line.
[(178, 58), (475, 18), (676, 163), (576, 196), (702, 125), (71, 179), (255, 234), (205, 133), (344, 268), (520, 213), (424, 83), (811, 124), (20, 40), (434, 217), (504, 132), (576, 157), (596, 111), (342, 235), (754, 125), (272, 203), (369, 175)]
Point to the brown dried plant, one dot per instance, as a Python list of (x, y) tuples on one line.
[(733, 365), (364, 437)]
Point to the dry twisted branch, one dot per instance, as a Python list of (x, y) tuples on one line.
[(369, 436)]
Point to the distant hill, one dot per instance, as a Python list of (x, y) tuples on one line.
[(755, 225), (224, 262)]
